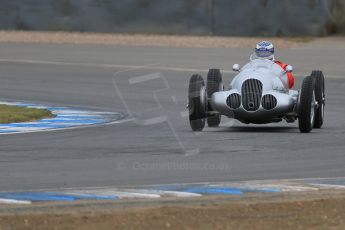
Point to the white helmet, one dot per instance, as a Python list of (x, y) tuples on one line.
[(264, 50)]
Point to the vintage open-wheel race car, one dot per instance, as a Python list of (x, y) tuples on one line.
[(258, 94)]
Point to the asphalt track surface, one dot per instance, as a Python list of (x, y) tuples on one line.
[(145, 150)]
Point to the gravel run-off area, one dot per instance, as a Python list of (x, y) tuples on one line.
[(143, 40)]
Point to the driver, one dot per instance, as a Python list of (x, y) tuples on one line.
[(265, 50)]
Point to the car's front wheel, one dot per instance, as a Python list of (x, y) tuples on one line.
[(320, 97), (214, 84), (197, 102), (307, 105)]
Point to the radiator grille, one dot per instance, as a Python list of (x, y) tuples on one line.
[(269, 102), (251, 94), (234, 101)]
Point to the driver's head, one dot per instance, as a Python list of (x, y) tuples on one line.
[(264, 50)]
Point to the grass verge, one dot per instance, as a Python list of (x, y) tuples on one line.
[(11, 114), (319, 210)]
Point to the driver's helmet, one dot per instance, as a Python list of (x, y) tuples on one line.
[(264, 50)]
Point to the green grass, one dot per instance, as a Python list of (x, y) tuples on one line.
[(11, 114)]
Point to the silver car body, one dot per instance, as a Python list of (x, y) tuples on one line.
[(248, 102)]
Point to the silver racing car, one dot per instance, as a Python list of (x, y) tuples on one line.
[(258, 94)]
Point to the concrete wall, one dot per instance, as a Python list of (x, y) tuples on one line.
[(337, 13), (220, 17)]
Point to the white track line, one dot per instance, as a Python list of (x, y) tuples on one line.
[(166, 193), (329, 186), (10, 201), (118, 193), (70, 128), (151, 67), (263, 181), (133, 193), (105, 65), (144, 192), (97, 118)]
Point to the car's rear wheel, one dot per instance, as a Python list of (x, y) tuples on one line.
[(197, 102), (307, 105), (320, 97), (214, 84)]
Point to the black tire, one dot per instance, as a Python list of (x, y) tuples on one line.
[(306, 105), (214, 84), (320, 97), (197, 102)]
